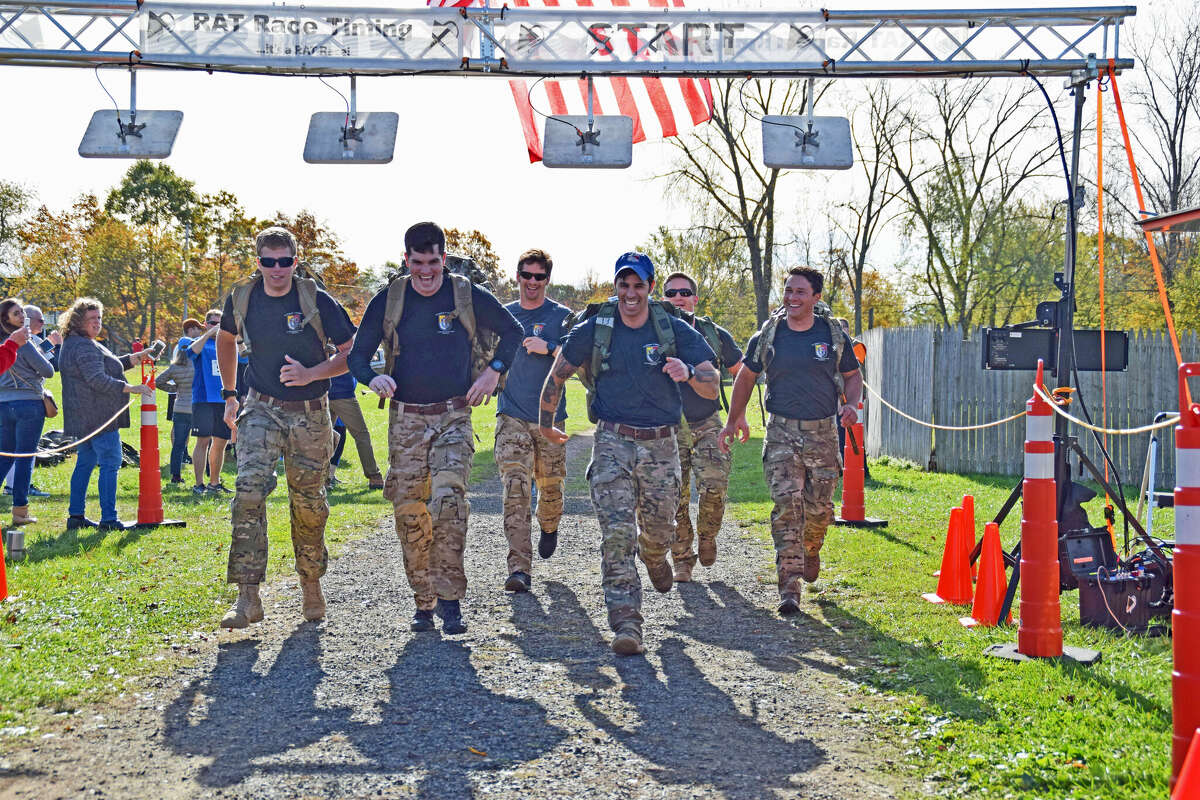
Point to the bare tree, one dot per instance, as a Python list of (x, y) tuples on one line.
[(964, 155), (723, 161), (867, 214)]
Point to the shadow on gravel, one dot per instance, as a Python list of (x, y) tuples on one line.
[(717, 614), (249, 715), (440, 722), (561, 634), (693, 733), (443, 721)]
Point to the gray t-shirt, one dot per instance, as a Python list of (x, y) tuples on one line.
[(521, 397)]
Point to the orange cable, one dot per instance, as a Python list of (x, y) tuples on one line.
[(1137, 186)]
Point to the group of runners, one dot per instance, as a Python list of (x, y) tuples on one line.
[(653, 373)]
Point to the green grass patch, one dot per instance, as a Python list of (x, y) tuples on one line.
[(971, 726)]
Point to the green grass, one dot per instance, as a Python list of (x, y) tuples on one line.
[(91, 611), (971, 726)]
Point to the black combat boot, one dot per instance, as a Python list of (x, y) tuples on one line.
[(451, 614)]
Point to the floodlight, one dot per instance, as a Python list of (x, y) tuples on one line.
[(130, 134), (804, 142), (571, 141), (335, 137)]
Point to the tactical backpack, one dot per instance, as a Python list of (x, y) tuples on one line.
[(766, 341), (306, 287), (708, 329), (483, 341), (605, 314)]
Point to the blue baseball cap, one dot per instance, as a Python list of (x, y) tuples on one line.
[(639, 263)]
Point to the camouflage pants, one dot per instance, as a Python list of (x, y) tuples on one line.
[(699, 452), (801, 464), (429, 464), (305, 440), (522, 454), (635, 485)]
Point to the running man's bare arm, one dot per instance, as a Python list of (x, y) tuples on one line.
[(552, 391)]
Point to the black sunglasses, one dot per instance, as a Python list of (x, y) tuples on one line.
[(680, 292), (534, 276), (285, 261)]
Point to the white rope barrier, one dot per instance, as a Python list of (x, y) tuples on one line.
[(1172, 420), (54, 451), (911, 418)]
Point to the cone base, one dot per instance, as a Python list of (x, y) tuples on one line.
[(867, 522), (166, 523), (1008, 651)]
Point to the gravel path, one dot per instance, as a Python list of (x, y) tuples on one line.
[(728, 701)]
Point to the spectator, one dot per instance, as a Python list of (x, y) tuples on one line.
[(49, 345), (343, 406), (22, 410), (94, 389), (211, 432), (177, 379)]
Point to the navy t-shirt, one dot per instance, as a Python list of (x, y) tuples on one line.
[(697, 408), (800, 380), (275, 328), (522, 393), (434, 360), (634, 390)]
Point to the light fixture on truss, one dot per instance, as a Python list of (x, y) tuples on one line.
[(351, 137), (578, 141), (807, 142), (146, 134)]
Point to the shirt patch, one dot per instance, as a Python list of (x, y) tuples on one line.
[(445, 322), (653, 356), (538, 327), (821, 351), (294, 322)]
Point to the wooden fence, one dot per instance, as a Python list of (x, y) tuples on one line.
[(936, 376)]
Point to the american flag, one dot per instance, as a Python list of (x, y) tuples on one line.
[(660, 107)]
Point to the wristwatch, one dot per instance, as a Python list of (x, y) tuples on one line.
[(498, 365), (551, 348), (691, 371), (228, 393)]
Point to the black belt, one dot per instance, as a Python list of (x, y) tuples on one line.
[(315, 404), (641, 434), (429, 409), (807, 424)]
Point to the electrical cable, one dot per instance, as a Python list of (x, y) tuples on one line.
[(1072, 229), (534, 109), (339, 94), (120, 125)]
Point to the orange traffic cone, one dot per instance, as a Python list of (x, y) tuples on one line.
[(992, 584), (1187, 783), (954, 580), (968, 506)]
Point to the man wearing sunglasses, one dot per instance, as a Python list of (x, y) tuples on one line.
[(522, 452), (429, 321), (699, 451), (286, 322)]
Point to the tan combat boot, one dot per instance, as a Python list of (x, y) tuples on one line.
[(708, 550), (248, 607), (812, 567), (314, 601), (628, 639), (21, 516), (683, 572)]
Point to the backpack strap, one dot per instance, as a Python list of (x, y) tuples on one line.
[(662, 325), (838, 337), (239, 295), (393, 310), (307, 289), (602, 337), (464, 304), (708, 329)]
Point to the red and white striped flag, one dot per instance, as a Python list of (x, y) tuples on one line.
[(660, 107)]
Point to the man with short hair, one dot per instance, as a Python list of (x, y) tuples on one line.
[(635, 354), (522, 453), (699, 451), (208, 409), (286, 323), (809, 368), (429, 322)]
